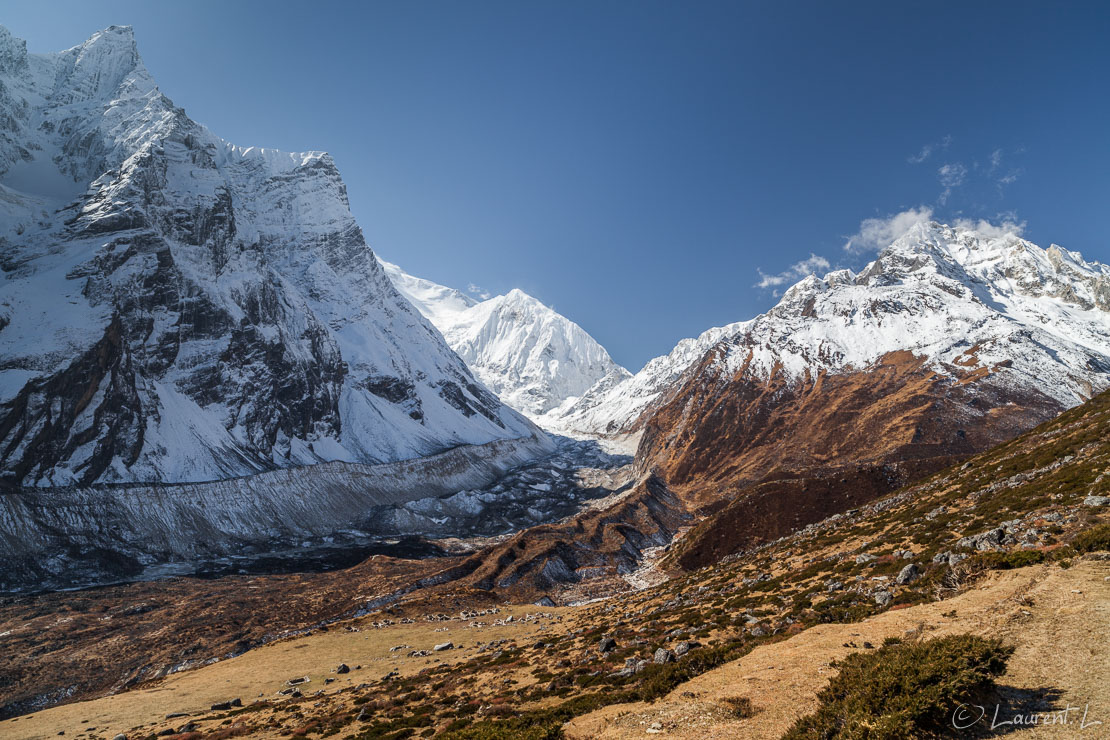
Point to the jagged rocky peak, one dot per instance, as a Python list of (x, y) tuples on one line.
[(532, 357), (13, 52), (100, 66), (177, 308)]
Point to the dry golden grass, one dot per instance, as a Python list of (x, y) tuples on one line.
[(260, 673)]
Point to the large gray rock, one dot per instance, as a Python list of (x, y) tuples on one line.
[(908, 575), (662, 656)]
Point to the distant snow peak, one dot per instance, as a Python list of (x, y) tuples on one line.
[(533, 358)]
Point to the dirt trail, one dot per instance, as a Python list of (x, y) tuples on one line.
[(1058, 619)]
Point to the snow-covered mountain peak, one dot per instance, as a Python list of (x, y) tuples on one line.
[(98, 68), (535, 359), (177, 308), (438, 303), (940, 292), (963, 257), (960, 297)]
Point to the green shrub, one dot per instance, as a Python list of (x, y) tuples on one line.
[(1095, 538), (906, 690), (740, 707), (1010, 560)]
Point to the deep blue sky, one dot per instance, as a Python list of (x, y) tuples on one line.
[(636, 164)]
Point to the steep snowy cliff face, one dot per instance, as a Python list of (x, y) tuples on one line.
[(175, 308), (1035, 319), (533, 358)]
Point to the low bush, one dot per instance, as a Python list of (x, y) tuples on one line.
[(1093, 539), (904, 690), (1010, 560)]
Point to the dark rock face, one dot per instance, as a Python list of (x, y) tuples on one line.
[(37, 424)]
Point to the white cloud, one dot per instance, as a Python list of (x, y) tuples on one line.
[(952, 175), (478, 292), (1007, 225), (925, 153), (928, 149), (809, 266), (876, 233), (996, 159), (1012, 173)]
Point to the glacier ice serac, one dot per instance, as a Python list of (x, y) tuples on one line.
[(174, 308), (533, 358), (959, 297)]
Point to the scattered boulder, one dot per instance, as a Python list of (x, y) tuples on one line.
[(685, 646), (993, 539), (443, 646), (908, 575), (1096, 501), (607, 644), (663, 656), (343, 668), (883, 598), (833, 586), (950, 558), (864, 558)]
